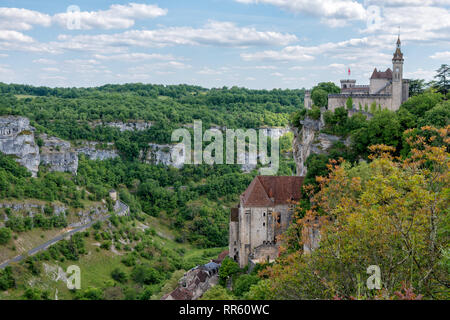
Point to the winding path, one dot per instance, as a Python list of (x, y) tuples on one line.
[(122, 210)]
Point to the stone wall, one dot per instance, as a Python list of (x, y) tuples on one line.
[(337, 101), (257, 226)]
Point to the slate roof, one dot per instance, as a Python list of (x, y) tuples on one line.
[(267, 191), (381, 75)]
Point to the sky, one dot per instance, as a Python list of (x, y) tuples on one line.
[(258, 44)]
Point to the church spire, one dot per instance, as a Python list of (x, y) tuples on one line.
[(398, 55)]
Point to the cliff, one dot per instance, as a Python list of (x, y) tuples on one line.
[(17, 139), (58, 155), (309, 140), (93, 151), (166, 154)]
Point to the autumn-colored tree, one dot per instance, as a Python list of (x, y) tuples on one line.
[(391, 213)]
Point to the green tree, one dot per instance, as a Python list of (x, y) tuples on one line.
[(119, 275), (349, 103), (217, 293), (416, 87), (443, 76), (5, 235), (242, 284), (320, 98), (227, 269)]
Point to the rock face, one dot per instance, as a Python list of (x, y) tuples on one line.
[(92, 150), (130, 126), (166, 154), (274, 132), (17, 138), (308, 140), (59, 155)]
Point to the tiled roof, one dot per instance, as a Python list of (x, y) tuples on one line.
[(382, 75), (181, 294), (266, 191)]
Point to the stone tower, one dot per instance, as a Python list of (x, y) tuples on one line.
[(397, 77)]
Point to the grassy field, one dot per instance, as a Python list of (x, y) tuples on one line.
[(97, 264)]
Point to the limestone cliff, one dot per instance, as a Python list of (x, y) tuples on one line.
[(136, 125), (94, 151), (17, 139), (166, 154), (309, 140), (58, 155)]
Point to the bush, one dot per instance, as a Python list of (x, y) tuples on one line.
[(119, 275), (243, 283), (5, 235), (228, 268), (144, 274), (6, 279), (314, 113)]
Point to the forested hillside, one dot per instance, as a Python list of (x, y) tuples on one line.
[(175, 214)]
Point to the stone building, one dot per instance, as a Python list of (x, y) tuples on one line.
[(387, 88), (264, 212)]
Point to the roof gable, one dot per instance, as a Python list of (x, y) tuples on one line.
[(265, 191), (381, 75)]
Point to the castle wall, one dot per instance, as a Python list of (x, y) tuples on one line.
[(264, 253), (257, 226), (234, 240), (337, 101), (377, 84)]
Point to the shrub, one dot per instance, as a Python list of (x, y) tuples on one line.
[(5, 235)]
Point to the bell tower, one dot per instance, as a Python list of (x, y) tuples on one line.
[(397, 77)]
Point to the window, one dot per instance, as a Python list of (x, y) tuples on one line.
[(264, 224), (264, 214)]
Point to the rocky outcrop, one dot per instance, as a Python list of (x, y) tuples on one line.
[(58, 155), (94, 151), (275, 132), (17, 139), (309, 140), (166, 154), (127, 126)]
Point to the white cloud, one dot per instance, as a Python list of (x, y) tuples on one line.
[(441, 55), (418, 23), (277, 74), (334, 12), (14, 36), (133, 57), (22, 19), (213, 33), (51, 69), (116, 17), (209, 71), (421, 74), (44, 61)]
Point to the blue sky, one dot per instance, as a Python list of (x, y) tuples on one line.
[(214, 43)]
